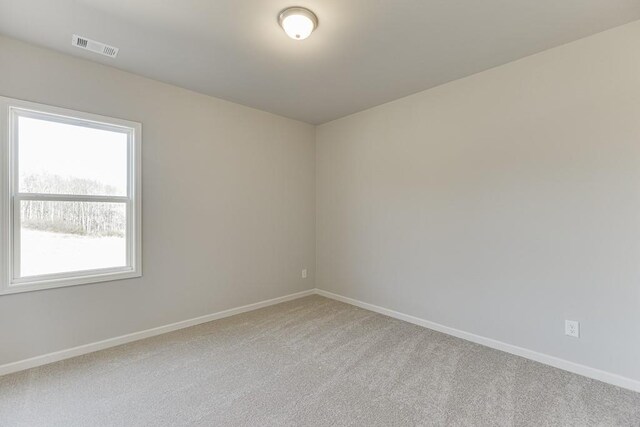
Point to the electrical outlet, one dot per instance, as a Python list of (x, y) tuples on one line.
[(304, 273), (572, 328)]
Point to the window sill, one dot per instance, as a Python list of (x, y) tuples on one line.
[(30, 284)]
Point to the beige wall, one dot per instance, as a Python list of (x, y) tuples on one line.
[(228, 206), (499, 204)]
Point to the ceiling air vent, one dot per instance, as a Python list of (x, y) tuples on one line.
[(94, 46)]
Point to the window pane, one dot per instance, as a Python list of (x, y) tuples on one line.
[(59, 158), (58, 237)]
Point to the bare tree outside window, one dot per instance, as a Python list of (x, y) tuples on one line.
[(65, 159)]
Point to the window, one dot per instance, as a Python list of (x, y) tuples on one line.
[(69, 197)]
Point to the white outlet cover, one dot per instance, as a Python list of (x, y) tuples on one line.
[(572, 328), (304, 273)]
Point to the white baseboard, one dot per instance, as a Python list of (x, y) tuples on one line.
[(112, 342), (556, 362), (546, 359)]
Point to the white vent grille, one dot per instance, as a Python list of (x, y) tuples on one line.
[(94, 46)]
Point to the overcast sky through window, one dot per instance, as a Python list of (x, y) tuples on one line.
[(73, 152)]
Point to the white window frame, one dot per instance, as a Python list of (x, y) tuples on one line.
[(10, 197)]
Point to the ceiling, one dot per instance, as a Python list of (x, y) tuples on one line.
[(364, 52)]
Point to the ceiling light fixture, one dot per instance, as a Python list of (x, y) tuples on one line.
[(298, 22)]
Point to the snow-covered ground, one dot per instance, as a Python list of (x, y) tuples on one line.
[(43, 252)]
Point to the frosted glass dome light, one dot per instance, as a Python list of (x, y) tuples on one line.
[(298, 22)]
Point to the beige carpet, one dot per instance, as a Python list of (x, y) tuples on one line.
[(309, 362)]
